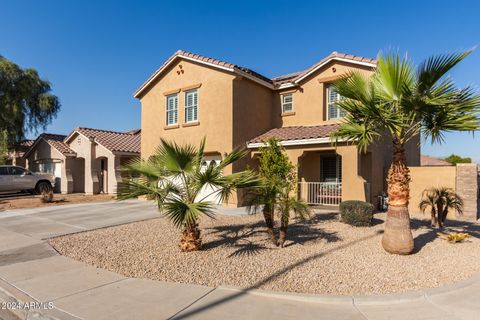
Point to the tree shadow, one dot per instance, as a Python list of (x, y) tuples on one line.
[(431, 234), (252, 238), (198, 309)]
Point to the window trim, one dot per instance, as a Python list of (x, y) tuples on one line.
[(282, 97), (194, 106), (175, 109), (327, 92)]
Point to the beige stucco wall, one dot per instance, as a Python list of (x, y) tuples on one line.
[(215, 99), (427, 177), (93, 152), (309, 100), (233, 110)]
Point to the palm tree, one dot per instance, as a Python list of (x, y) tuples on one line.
[(400, 102), (173, 177), (286, 205), (274, 194), (440, 200)]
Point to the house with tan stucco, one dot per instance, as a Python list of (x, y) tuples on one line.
[(86, 161), (191, 96)]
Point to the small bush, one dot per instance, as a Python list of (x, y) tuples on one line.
[(357, 213)]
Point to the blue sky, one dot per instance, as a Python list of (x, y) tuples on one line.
[(96, 54)]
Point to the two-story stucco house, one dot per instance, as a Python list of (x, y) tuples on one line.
[(192, 96)]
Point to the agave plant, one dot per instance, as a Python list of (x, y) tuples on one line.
[(400, 102), (173, 177), (440, 200)]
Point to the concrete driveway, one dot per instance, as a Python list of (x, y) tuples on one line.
[(33, 272)]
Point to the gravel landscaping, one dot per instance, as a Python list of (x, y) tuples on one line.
[(323, 256)]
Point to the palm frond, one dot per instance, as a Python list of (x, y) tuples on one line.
[(394, 78), (183, 214), (435, 68), (176, 159)]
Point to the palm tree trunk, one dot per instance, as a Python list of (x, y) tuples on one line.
[(283, 232), (444, 216), (268, 215), (434, 218), (397, 238), (190, 240)]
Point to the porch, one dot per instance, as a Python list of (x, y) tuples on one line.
[(328, 176)]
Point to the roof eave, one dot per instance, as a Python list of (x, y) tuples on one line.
[(139, 92), (297, 142), (314, 69)]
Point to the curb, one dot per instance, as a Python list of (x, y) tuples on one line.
[(381, 299)]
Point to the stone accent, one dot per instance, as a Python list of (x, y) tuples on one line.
[(467, 187)]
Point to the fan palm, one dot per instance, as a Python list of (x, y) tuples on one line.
[(173, 177), (440, 200), (401, 103)]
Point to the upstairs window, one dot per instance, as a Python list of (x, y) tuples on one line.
[(191, 106), (287, 103), (334, 112), (172, 110)]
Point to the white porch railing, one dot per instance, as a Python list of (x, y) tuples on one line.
[(321, 193)]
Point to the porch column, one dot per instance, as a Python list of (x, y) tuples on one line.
[(354, 187), (294, 156), (114, 173)]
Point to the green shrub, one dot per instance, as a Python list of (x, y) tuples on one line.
[(356, 213)]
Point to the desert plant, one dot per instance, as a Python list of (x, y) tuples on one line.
[(173, 178), (439, 201), (274, 194), (356, 213), (399, 103), (274, 168), (287, 205), (46, 192), (454, 237)]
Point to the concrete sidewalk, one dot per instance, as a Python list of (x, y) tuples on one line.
[(30, 270)]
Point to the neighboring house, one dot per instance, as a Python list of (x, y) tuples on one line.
[(430, 161), (87, 160), (15, 155), (190, 97)]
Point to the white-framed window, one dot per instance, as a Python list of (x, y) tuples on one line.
[(334, 112), (287, 103), (191, 105), (172, 110)]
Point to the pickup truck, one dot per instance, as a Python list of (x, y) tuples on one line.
[(17, 179)]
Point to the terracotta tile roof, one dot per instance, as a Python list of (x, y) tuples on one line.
[(54, 140), (295, 76), (26, 143), (134, 131), (297, 133), (430, 161), (286, 78), (220, 63), (114, 141), (272, 83)]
